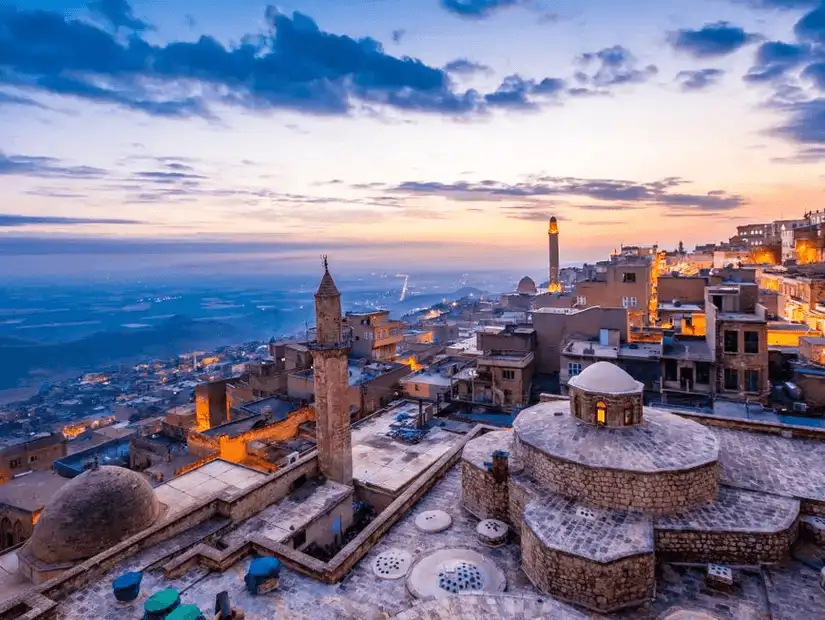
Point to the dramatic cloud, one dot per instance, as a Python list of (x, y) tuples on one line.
[(119, 14), (812, 26), (613, 66), (711, 40), (775, 58), (294, 66), (625, 193), (816, 74), (462, 66), (806, 122), (477, 9), (8, 220), (699, 79), (45, 167), (517, 93)]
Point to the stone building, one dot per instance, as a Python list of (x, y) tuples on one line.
[(35, 454), (626, 283), (21, 501), (375, 335), (599, 487)]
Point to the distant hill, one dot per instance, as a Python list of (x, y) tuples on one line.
[(19, 359), (430, 299)]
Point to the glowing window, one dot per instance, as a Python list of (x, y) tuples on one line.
[(628, 414), (601, 413)]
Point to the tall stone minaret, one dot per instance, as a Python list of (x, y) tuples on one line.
[(330, 348), (553, 236)]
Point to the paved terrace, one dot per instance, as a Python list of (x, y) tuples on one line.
[(663, 442), (388, 464), (773, 464), (788, 592), (194, 487)]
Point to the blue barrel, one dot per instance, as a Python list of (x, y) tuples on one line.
[(263, 575), (127, 587)]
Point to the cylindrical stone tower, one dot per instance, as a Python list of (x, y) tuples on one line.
[(553, 236), (330, 347)]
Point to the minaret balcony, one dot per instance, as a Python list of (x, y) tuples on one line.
[(344, 342)]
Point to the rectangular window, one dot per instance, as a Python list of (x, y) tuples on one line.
[(15, 463), (581, 300), (731, 342), (670, 370), (628, 277), (732, 379), (752, 381), (508, 374), (751, 342), (574, 368), (34, 458), (702, 373)]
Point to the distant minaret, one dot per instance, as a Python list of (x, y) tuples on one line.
[(330, 348), (553, 235)]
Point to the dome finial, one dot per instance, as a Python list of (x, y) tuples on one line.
[(325, 262)]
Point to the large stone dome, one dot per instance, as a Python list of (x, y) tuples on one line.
[(526, 286), (92, 513), (605, 378)]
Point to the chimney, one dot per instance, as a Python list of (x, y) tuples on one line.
[(500, 467)]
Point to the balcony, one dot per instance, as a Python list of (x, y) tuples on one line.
[(345, 341)]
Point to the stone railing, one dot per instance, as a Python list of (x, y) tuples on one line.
[(345, 340)]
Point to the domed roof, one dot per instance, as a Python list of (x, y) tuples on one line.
[(605, 378), (526, 285), (93, 512)]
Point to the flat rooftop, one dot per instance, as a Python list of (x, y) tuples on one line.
[(585, 348), (680, 307), (739, 316), (390, 464), (359, 372), (697, 350), (199, 484), (32, 491)]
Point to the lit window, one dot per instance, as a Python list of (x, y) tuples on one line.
[(628, 414), (601, 413), (581, 300)]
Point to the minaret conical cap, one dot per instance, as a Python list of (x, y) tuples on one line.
[(327, 286)]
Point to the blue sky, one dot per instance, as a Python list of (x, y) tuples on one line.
[(416, 128)]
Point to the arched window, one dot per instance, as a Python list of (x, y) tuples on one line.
[(628, 413), (601, 413)]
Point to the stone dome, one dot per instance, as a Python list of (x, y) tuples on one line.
[(605, 378), (93, 512), (526, 286)]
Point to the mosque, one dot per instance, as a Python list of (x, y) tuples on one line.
[(589, 507)]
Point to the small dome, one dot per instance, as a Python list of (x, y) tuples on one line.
[(605, 378), (526, 286), (92, 513)]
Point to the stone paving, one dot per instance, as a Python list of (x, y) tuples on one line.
[(736, 510), (773, 464), (663, 442), (598, 534)]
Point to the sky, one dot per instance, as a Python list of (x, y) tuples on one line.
[(404, 131)]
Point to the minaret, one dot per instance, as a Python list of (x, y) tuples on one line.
[(553, 235), (330, 348)]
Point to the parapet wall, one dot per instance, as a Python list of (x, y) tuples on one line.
[(655, 492), (600, 587), (725, 547), (483, 496)]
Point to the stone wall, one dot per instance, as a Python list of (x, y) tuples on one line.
[(332, 428), (658, 493), (521, 493), (482, 496), (600, 587), (583, 406), (725, 547)]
